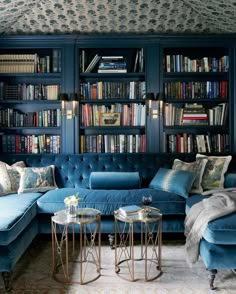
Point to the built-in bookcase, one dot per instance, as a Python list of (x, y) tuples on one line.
[(196, 94), (30, 110), (147, 93), (112, 91)]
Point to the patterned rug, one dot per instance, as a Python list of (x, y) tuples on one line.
[(33, 275)]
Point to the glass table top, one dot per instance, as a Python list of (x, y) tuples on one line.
[(83, 216), (146, 214)]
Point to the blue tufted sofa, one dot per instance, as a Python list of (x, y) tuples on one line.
[(26, 215)]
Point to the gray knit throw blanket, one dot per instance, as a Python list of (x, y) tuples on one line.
[(220, 203)]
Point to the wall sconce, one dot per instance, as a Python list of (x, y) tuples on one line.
[(64, 100), (160, 99), (75, 104), (155, 105), (69, 106), (152, 110)]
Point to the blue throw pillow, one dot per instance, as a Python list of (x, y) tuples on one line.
[(175, 181), (114, 180), (230, 180)]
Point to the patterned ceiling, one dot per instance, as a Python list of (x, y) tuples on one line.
[(117, 16)]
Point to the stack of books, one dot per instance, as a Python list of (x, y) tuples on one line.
[(129, 210), (194, 114), (112, 64)]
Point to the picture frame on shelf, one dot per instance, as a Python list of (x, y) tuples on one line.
[(109, 119)]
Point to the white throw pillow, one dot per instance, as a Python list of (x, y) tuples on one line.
[(9, 177)]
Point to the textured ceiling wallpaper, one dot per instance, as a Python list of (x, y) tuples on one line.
[(117, 16)]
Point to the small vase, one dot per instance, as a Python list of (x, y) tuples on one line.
[(71, 210)]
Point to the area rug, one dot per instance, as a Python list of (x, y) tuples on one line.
[(33, 275)]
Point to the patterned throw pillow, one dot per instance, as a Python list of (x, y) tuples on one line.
[(216, 167), (197, 168), (9, 177), (37, 179), (175, 181)]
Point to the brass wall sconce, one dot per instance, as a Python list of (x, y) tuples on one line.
[(69, 106), (155, 105)]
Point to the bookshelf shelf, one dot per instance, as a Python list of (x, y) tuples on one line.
[(129, 75), (38, 101), (120, 129), (33, 75), (48, 129), (195, 128), (113, 100), (196, 74), (203, 100)]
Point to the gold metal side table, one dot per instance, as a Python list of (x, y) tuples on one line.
[(88, 254), (128, 256)]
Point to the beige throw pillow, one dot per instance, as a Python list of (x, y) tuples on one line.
[(216, 167), (37, 179)]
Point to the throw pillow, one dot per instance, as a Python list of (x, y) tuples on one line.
[(114, 180), (170, 180), (37, 179), (9, 177), (230, 180), (197, 168), (216, 167)]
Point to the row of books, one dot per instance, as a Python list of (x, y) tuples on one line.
[(10, 117), (195, 114), (181, 63), (113, 90), (133, 114), (113, 143), (110, 64), (11, 143), (28, 91), (196, 89), (30, 63), (190, 143)]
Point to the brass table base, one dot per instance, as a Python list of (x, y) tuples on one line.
[(149, 255), (88, 255)]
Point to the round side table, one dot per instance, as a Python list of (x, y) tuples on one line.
[(89, 251), (150, 227)]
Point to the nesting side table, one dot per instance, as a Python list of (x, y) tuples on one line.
[(148, 252), (88, 255)]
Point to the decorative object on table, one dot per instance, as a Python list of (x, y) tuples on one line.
[(144, 212), (147, 200), (71, 203), (129, 210)]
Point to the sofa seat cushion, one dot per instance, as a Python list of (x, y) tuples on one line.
[(107, 201), (219, 231), (17, 211)]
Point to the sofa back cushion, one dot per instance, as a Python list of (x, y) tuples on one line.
[(114, 180)]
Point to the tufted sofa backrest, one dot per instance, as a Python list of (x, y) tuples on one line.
[(73, 170)]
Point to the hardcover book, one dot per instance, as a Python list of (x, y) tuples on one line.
[(129, 210)]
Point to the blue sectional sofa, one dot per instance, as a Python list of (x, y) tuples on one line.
[(25, 215)]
